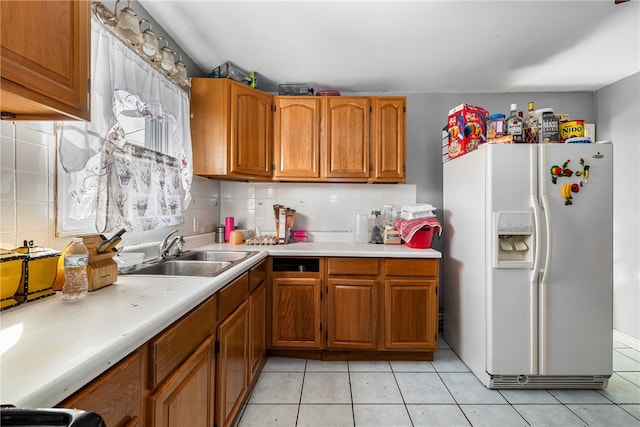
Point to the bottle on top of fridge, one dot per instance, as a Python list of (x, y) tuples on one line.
[(531, 126), (515, 125), (76, 258)]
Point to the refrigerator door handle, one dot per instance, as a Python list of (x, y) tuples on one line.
[(534, 286), (542, 306), (549, 240), (537, 230)]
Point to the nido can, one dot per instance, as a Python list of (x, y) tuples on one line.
[(571, 129)]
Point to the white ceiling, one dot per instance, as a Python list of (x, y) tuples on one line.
[(413, 46)]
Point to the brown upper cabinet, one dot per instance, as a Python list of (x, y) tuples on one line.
[(388, 139), (339, 139), (230, 130), (45, 60), (345, 138), (236, 133), (296, 136)]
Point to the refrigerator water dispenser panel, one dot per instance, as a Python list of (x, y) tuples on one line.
[(513, 240)]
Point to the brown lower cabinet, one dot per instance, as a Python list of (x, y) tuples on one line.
[(411, 304), (115, 395), (186, 397), (199, 371), (354, 308), (241, 348), (352, 303), (232, 365)]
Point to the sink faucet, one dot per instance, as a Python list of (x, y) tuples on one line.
[(171, 248)]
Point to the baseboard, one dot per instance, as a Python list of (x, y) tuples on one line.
[(626, 340)]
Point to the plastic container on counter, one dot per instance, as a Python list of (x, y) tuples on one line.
[(422, 238)]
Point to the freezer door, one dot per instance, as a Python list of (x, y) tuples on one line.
[(511, 296), (576, 287)]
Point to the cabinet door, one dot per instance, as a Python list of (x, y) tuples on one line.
[(257, 329), (296, 312), (352, 313), (210, 118), (115, 395), (389, 139), (410, 314), (345, 145), (232, 365), (296, 138), (250, 150), (186, 397), (45, 59)]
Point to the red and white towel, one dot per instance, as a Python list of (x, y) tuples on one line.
[(409, 227)]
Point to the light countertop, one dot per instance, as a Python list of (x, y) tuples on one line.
[(50, 348)]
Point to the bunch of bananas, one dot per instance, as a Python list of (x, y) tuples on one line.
[(566, 191)]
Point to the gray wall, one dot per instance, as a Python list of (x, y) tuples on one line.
[(618, 120)]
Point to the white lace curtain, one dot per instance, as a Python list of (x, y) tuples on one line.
[(91, 154)]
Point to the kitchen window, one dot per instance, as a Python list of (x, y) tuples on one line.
[(130, 166)]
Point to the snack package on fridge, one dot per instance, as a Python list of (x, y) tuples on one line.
[(467, 126)]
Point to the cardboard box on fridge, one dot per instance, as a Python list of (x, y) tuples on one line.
[(467, 126)]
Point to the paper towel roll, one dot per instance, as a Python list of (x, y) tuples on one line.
[(361, 233)]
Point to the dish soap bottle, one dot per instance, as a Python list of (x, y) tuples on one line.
[(76, 258)]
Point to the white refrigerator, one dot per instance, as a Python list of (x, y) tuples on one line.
[(528, 264)]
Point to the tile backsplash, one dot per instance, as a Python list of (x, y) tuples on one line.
[(328, 211), (28, 197), (27, 183)]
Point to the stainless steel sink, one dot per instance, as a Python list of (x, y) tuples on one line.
[(196, 263), (185, 268), (230, 256)]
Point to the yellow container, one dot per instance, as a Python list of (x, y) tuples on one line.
[(571, 129), (39, 272), (11, 269)]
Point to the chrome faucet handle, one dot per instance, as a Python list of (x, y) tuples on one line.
[(176, 246), (162, 248)]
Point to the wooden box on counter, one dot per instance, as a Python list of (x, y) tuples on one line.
[(102, 269)]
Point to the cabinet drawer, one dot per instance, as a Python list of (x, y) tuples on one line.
[(232, 296), (115, 395), (171, 347), (411, 267), (353, 266)]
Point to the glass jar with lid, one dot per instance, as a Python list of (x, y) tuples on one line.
[(496, 126)]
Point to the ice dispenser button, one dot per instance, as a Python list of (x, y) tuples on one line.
[(514, 240)]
